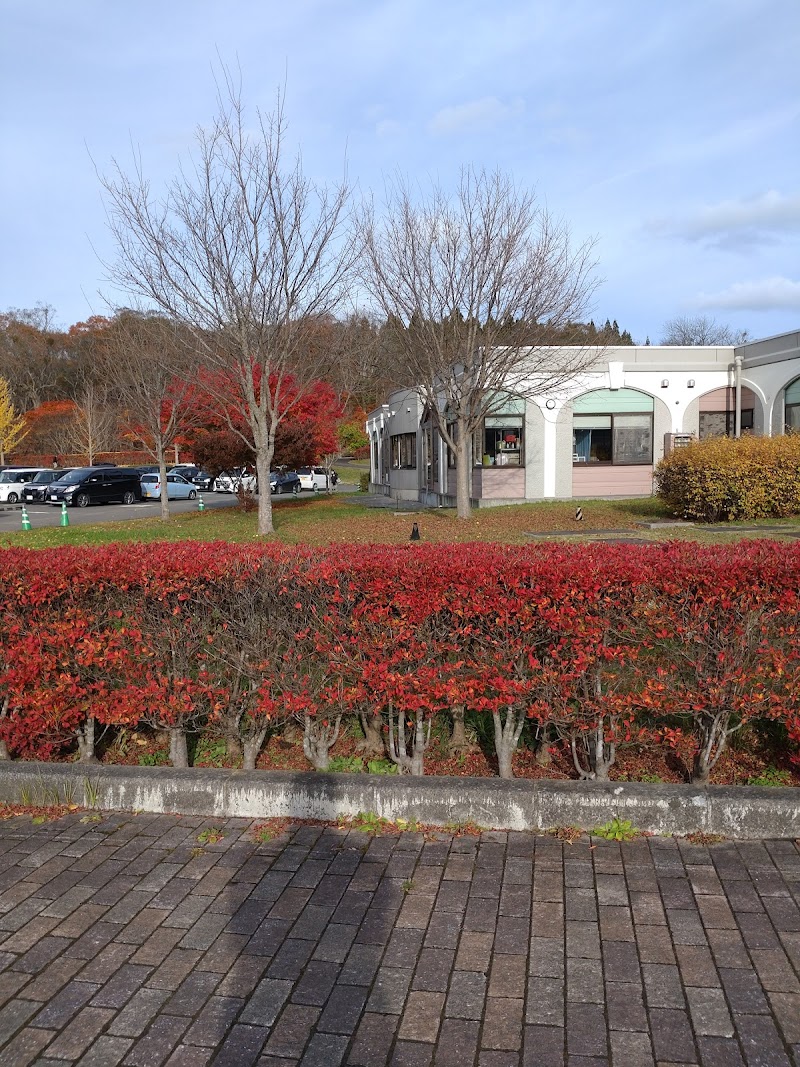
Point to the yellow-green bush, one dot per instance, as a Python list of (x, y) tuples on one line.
[(724, 479)]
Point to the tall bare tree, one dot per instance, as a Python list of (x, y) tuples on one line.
[(470, 281), (700, 330), (248, 253), (149, 366)]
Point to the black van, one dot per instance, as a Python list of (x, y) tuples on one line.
[(96, 485)]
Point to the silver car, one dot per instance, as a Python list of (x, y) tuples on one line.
[(177, 488)]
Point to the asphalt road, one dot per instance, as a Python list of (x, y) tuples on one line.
[(50, 515)]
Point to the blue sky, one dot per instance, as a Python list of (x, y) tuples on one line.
[(669, 131)]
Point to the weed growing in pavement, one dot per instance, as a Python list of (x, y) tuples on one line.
[(699, 837), (212, 835), (617, 830), (570, 834), (91, 791), (408, 885), (463, 829)]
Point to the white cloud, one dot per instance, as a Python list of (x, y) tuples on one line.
[(475, 114), (769, 294), (739, 223)]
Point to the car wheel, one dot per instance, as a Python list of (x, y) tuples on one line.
[(129, 498), (12, 498), (192, 494), (82, 500)]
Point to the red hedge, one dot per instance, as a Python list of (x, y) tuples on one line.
[(596, 641)]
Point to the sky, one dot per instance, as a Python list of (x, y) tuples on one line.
[(667, 132)]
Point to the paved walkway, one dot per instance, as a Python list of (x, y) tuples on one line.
[(128, 942)]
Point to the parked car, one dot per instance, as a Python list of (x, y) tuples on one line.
[(12, 479), (177, 488), (202, 479), (233, 480), (284, 482), (96, 485), (152, 468), (314, 478), (36, 488)]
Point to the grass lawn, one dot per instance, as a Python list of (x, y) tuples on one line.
[(321, 519)]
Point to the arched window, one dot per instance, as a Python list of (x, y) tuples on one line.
[(791, 409), (612, 426), (718, 412)]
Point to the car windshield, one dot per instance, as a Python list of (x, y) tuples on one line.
[(149, 478), (75, 476), (304, 470), (45, 476)]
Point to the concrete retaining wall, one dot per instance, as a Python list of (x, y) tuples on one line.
[(733, 811)]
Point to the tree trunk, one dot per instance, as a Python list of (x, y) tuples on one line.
[(506, 739), (162, 475), (263, 462), (458, 743), (178, 751), (372, 746), (85, 738), (409, 761), (4, 753), (543, 757), (252, 747), (713, 739), (234, 749), (463, 473), (318, 740)]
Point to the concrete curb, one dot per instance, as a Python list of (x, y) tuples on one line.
[(732, 811)]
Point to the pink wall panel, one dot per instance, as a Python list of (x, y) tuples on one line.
[(599, 480)]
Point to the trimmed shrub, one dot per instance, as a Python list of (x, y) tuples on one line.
[(723, 479)]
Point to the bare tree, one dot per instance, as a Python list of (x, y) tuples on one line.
[(245, 251), (700, 330), (470, 281), (149, 364)]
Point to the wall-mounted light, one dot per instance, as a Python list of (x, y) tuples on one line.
[(690, 384), (664, 383), (549, 404)]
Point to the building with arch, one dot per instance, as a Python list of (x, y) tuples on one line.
[(602, 434)]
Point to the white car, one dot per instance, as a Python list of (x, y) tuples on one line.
[(232, 481), (314, 478), (12, 480)]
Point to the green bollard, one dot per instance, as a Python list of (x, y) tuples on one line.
[(26, 522), (200, 505), (64, 515)]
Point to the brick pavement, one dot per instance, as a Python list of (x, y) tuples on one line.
[(126, 942)]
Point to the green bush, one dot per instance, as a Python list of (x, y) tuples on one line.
[(363, 483), (723, 479)]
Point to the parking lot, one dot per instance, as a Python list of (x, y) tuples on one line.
[(50, 515)]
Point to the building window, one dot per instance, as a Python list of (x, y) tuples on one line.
[(618, 438), (791, 409), (499, 442), (723, 423), (404, 451)]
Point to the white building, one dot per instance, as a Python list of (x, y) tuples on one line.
[(600, 436)]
